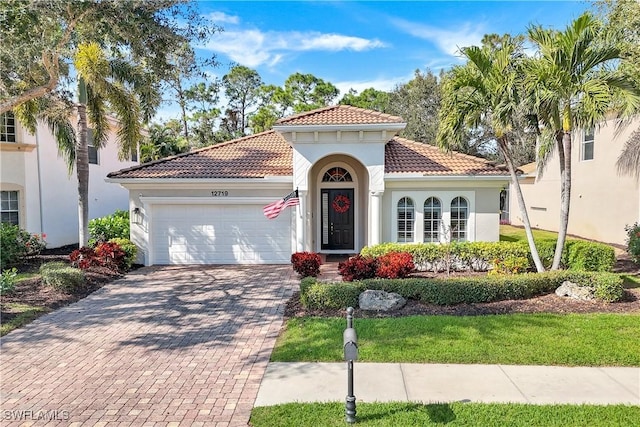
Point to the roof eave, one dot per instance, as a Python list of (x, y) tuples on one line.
[(395, 127), (399, 176)]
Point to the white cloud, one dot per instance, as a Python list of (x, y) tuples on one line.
[(221, 18), (254, 47), (378, 84), (449, 41)]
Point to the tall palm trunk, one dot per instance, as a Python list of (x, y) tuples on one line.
[(502, 145), (565, 196), (82, 166)]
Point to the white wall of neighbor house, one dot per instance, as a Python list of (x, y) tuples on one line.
[(483, 197), (49, 195), (602, 201)]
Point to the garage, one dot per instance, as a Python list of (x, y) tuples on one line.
[(219, 234)]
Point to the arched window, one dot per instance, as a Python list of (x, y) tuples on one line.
[(432, 218), (405, 220), (337, 174), (459, 219)]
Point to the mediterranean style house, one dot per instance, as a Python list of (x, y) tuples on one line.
[(38, 194), (358, 184), (603, 202)]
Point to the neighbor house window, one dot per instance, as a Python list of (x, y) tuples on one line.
[(337, 174), (432, 218), (405, 220), (459, 219), (9, 207), (93, 151), (7, 127), (586, 153)]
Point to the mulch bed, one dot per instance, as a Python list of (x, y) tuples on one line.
[(550, 303), (32, 292)]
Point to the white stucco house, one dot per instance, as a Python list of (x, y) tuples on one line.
[(358, 183), (37, 192), (603, 202)]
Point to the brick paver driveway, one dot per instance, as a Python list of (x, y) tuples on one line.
[(165, 346)]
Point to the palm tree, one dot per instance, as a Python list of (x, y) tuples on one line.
[(486, 92), (573, 83), (105, 87)]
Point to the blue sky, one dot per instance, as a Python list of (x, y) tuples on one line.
[(364, 44)]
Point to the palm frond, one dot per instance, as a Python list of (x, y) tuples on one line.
[(97, 114), (628, 162)]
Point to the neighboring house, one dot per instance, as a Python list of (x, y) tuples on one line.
[(37, 192), (603, 202), (358, 185)]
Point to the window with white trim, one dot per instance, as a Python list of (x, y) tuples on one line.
[(432, 216), (586, 149), (459, 219), (337, 174), (7, 127), (406, 216), (93, 151), (9, 207)]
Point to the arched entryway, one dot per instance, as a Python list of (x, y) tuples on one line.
[(339, 218)]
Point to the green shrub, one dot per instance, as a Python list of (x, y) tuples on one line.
[(510, 265), (633, 241), (109, 227), (8, 281), (506, 256), (16, 244), (62, 277), (332, 295), (461, 290), (589, 256), (130, 250)]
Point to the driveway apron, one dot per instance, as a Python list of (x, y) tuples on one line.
[(164, 346)]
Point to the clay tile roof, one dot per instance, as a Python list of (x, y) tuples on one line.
[(339, 115), (405, 156), (254, 156)]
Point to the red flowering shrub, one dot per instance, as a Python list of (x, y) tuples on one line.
[(107, 254), (111, 255), (84, 258), (306, 264), (395, 265), (358, 268)]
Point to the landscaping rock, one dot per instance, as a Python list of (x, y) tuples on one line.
[(572, 290), (380, 300)]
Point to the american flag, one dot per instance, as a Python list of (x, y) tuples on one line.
[(272, 210)]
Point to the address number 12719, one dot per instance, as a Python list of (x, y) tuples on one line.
[(220, 193)]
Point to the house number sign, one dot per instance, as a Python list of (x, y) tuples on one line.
[(219, 193)]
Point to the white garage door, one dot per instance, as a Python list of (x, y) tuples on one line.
[(219, 234)]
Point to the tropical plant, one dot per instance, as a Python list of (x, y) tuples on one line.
[(487, 90), (574, 82)]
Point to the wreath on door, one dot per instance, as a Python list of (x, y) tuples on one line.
[(341, 203)]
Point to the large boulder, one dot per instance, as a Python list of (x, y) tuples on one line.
[(575, 291), (380, 300)]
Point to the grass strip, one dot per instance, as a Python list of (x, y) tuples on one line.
[(514, 339), (24, 314), (451, 414)]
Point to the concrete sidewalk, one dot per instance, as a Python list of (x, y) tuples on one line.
[(429, 383)]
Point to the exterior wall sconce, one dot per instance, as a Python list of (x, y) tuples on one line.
[(136, 216)]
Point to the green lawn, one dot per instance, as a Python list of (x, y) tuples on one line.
[(450, 414), (509, 233), (515, 339), (25, 314)]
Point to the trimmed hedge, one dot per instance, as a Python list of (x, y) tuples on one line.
[(62, 276), (483, 256), (451, 291)]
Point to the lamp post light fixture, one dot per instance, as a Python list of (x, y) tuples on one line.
[(350, 345)]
